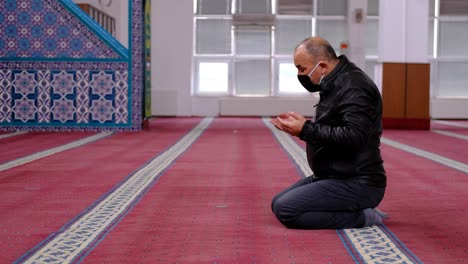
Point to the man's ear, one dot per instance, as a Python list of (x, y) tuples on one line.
[(324, 68)]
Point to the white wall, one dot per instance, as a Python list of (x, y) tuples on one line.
[(172, 47), (449, 108), (403, 31), (171, 57)]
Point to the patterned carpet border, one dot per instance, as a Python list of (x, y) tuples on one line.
[(52, 151), (365, 245), (374, 241), (78, 237)]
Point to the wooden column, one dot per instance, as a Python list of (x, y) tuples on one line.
[(405, 95)]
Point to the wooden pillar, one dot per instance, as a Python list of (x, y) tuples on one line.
[(405, 95), (405, 76)]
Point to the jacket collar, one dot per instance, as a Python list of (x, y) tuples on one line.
[(328, 81)]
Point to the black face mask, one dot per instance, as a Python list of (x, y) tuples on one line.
[(307, 83)]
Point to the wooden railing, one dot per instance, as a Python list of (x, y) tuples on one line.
[(103, 19)]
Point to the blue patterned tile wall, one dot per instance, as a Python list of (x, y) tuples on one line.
[(59, 70)]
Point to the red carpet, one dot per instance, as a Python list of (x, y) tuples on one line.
[(449, 147), (427, 205), (213, 206), (40, 197), (458, 126), (425, 200)]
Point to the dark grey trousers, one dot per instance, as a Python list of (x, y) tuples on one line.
[(325, 204)]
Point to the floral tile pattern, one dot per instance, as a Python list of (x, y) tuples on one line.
[(57, 74), (44, 29), (66, 96)]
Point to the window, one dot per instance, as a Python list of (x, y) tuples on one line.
[(252, 77), (334, 30), (253, 40), (249, 44), (372, 7), (213, 7), (295, 7), (448, 45), (452, 79), (332, 7), (288, 83), (453, 39), (372, 37), (253, 6), (430, 42), (289, 32), (213, 36), (213, 77)]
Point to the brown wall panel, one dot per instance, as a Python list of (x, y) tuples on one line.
[(394, 90), (417, 90)]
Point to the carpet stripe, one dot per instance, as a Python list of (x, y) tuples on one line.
[(454, 124), (13, 134), (426, 154), (72, 241), (370, 244), (450, 134), (52, 151)]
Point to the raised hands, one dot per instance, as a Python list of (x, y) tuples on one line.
[(289, 122)]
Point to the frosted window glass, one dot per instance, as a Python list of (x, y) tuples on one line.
[(431, 8), (289, 33), (213, 77), (332, 30), (373, 7), (213, 36), (453, 80), (369, 70), (288, 82), (430, 38), (213, 7), (372, 37), (295, 7), (453, 38), (254, 6), (332, 7), (253, 41), (252, 77)]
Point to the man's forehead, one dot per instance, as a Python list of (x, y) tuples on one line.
[(301, 56)]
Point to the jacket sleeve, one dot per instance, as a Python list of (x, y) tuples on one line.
[(356, 116)]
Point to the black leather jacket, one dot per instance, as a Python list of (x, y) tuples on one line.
[(344, 140)]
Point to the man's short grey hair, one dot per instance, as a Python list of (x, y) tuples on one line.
[(318, 48)]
